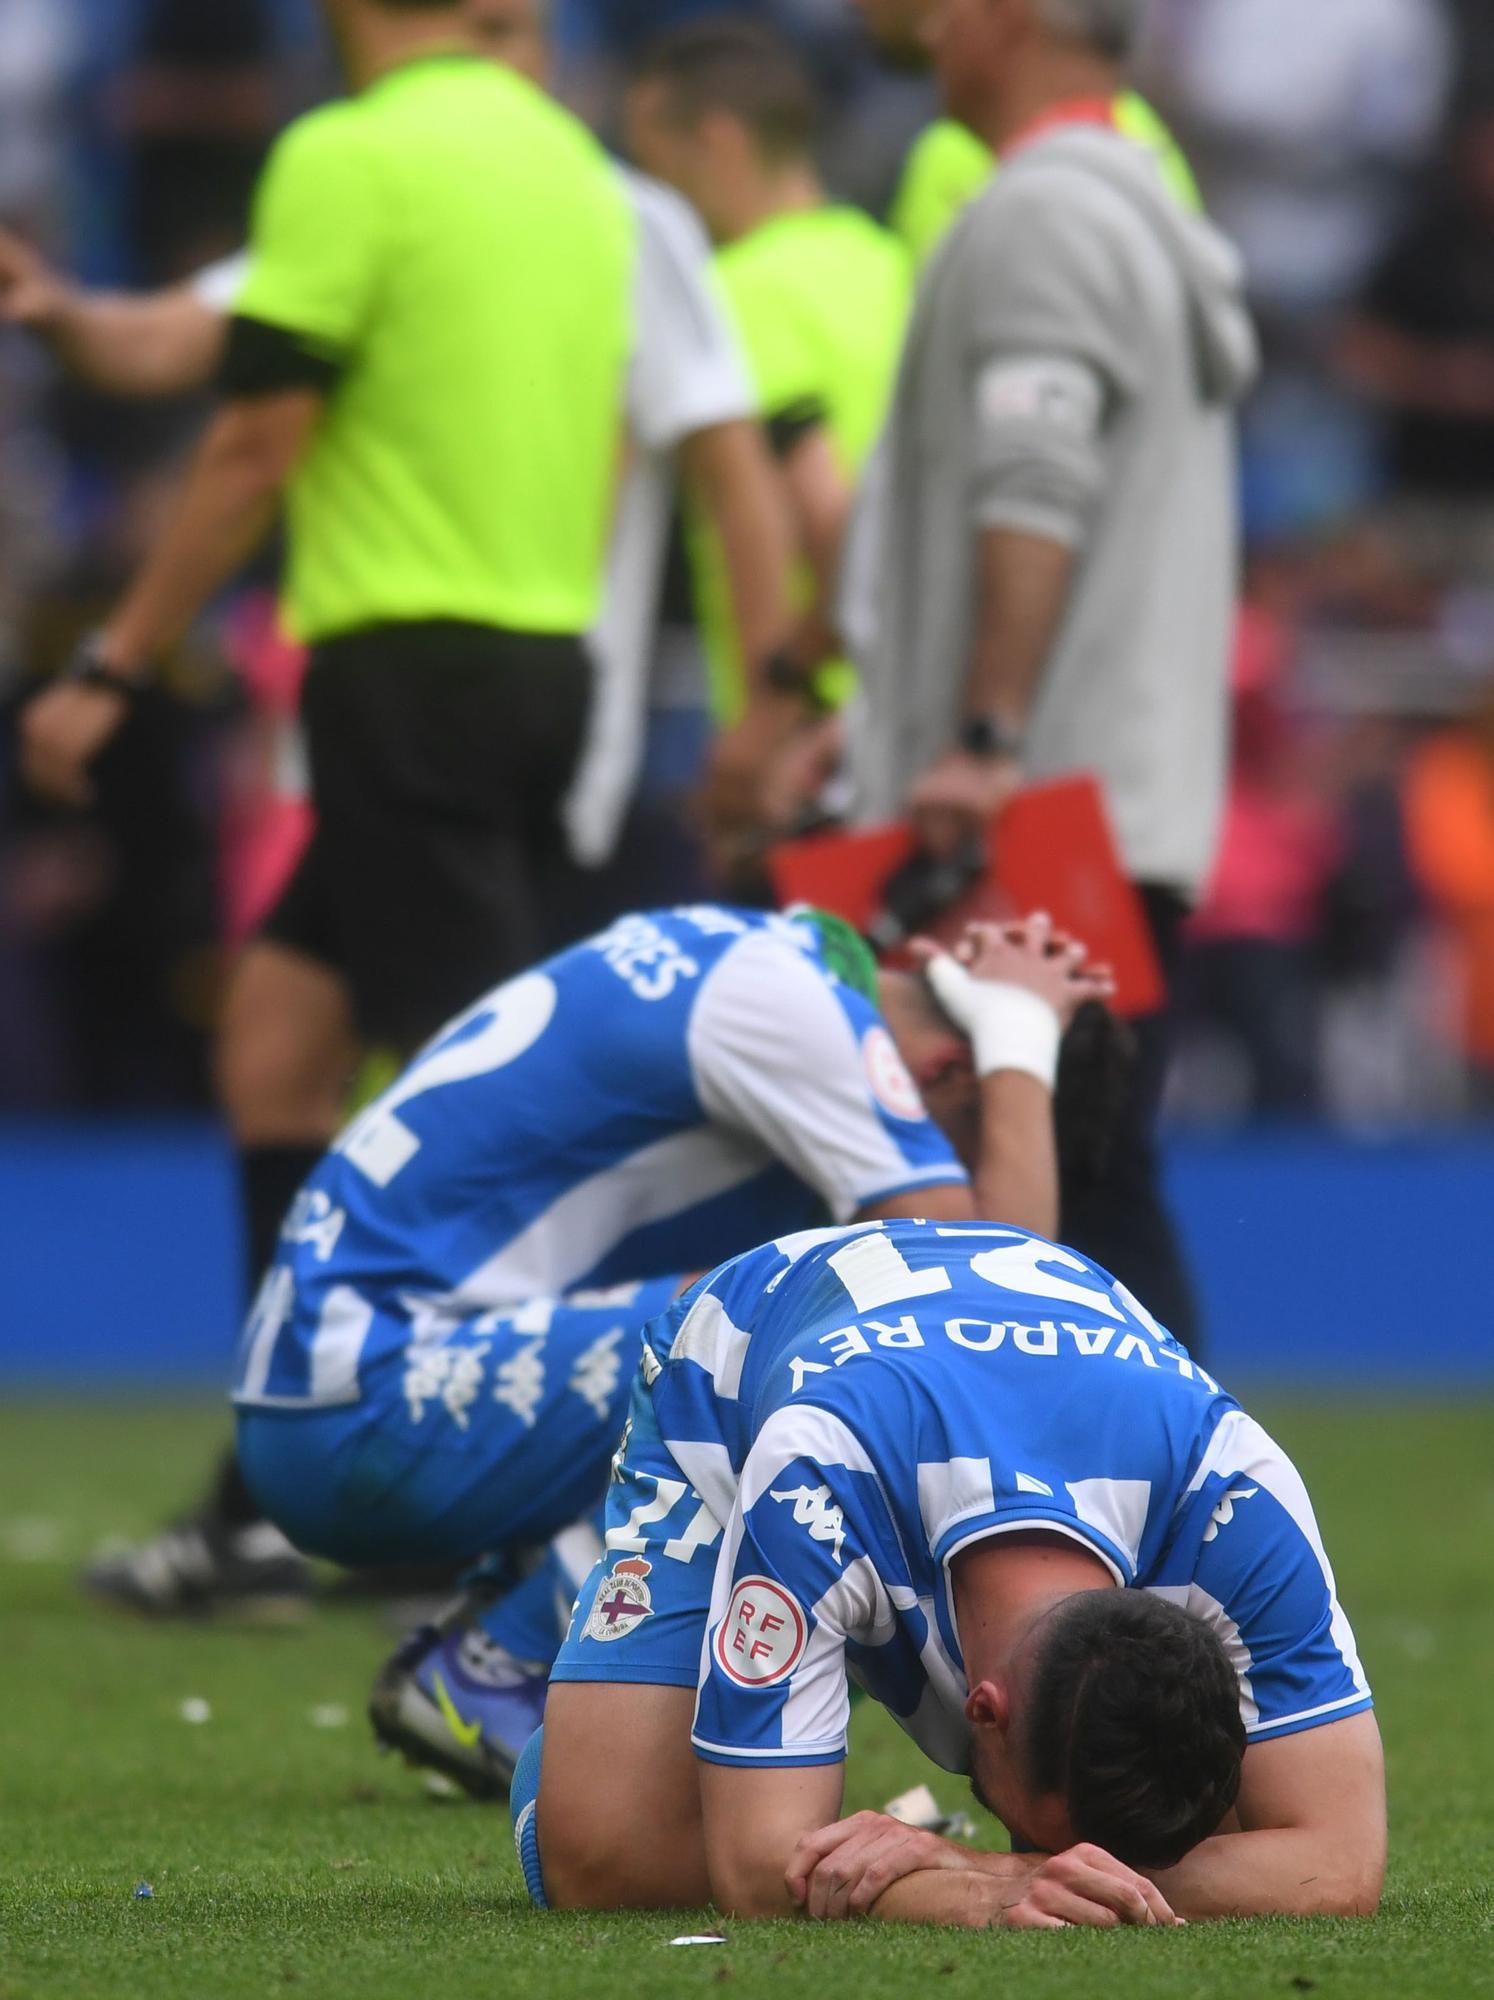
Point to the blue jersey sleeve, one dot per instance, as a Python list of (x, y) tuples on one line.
[(794, 1582), (1260, 1574)]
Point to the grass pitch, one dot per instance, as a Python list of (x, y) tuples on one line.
[(284, 1857)]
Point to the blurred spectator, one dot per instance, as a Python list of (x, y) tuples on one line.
[(1305, 122), (198, 107), (1310, 161), (37, 47), (1249, 968), (1423, 346), (1450, 830)]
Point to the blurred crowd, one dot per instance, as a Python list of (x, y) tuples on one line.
[(1342, 964)]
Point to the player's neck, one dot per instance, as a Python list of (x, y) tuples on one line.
[(1004, 1588), (374, 40), (792, 189), (1052, 75)]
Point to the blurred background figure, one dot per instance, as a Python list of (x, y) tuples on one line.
[(725, 112), (1421, 348), (1450, 827), (1248, 971), (1052, 548), (1310, 166)]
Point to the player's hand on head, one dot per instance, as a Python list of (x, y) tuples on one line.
[(842, 1870), (1030, 954), (1083, 1886)]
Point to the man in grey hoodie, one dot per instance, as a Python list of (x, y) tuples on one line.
[(1043, 579)]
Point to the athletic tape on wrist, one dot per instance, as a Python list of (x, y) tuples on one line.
[(1014, 1029), (1009, 1027)]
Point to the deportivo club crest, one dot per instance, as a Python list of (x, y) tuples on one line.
[(623, 1601)]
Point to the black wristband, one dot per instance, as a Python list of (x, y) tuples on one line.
[(987, 736), (88, 668)]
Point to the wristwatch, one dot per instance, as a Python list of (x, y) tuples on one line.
[(989, 737), (785, 675), (87, 667)]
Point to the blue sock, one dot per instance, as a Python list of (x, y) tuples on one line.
[(523, 1803), (523, 1620), (530, 1620)]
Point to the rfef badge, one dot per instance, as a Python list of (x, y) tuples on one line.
[(762, 1637)]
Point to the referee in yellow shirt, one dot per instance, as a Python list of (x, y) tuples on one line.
[(427, 367)]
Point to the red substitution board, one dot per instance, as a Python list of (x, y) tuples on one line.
[(1051, 849)]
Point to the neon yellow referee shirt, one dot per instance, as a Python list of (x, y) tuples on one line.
[(820, 300), (459, 249)]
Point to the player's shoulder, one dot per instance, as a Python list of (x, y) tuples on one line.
[(861, 238), (661, 953), (325, 130), (327, 152), (948, 154), (777, 956)]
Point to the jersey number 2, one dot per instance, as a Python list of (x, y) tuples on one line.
[(378, 1142)]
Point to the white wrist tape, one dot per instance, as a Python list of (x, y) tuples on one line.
[(1009, 1027)]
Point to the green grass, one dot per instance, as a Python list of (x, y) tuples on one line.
[(286, 1858)]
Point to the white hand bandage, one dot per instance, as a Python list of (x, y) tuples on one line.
[(1009, 1028)]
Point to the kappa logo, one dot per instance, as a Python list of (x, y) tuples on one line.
[(622, 1602), (596, 1374), (813, 1510), (887, 1074), (763, 1635), (1224, 1513)]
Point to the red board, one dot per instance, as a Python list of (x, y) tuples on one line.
[(1052, 849)]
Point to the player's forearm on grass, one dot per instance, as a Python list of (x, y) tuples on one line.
[(227, 508), (1016, 1178), (161, 344), (1278, 1873), (971, 1897), (1022, 591), (733, 481), (1312, 1810)]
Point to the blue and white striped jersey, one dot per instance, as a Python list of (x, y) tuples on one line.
[(682, 1086), (854, 1407)]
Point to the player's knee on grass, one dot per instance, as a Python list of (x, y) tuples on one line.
[(617, 1814)]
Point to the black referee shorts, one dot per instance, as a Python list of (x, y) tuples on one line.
[(440, 754)]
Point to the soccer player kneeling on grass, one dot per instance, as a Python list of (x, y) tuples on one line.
[(967, 1469), (438, 1366)]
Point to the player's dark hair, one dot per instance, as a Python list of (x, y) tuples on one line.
[(1134, 1721), (738, 66), (1095, 1067)]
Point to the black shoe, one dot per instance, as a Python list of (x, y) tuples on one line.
[(202, 1568)]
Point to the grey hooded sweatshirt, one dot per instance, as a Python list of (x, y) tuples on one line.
[(1076, 353)]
